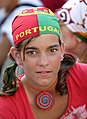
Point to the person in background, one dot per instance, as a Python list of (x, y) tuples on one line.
[(73, 22), (2, 14), (53, 4), (52, 83)]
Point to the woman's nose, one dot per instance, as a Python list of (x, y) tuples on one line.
[(43, 60)]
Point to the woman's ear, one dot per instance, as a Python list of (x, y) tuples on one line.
[(62, 48), (16, 55), (79, 40)]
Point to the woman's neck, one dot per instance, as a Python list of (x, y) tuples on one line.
[(37, 88)]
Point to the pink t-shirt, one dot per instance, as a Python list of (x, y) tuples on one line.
[(18, 107)]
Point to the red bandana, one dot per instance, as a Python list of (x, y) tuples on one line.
[(33, 22)]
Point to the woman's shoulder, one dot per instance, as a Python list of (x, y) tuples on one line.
[(78, 74), (81, 68), (10, 104)]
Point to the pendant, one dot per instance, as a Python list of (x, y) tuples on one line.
[(45, 100)]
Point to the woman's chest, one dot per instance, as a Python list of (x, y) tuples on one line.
[(55, 112)]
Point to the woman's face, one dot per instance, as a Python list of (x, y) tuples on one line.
[(42, 59), (69, 39)]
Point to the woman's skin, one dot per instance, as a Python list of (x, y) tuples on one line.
[(42, 62), (73, 44), (41, 65)]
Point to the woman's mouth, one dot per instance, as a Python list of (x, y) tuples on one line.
[(44, 73)]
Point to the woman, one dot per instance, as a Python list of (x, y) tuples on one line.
[(51, 86), (73, 20)]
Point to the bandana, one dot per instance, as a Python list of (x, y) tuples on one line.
[(33, 22), (74, 15)]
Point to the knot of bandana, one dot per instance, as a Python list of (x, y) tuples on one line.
[(33, 22)]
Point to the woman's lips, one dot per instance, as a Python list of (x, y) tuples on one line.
[(44, 73)]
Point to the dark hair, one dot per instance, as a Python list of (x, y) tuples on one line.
[(10, 80), (67, 63)]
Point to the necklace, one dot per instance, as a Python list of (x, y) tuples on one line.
[(44, 99)]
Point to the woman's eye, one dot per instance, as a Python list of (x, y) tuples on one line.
[(53, 50), (31, 52)]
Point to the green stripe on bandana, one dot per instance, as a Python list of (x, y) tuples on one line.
[(48, 24), (81, 37)]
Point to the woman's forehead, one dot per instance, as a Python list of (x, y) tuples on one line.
[(46, 38)]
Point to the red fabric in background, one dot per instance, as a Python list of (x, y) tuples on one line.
[(53, 4)]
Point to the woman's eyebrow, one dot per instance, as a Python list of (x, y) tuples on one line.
[(52, 46), (34, 48)]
